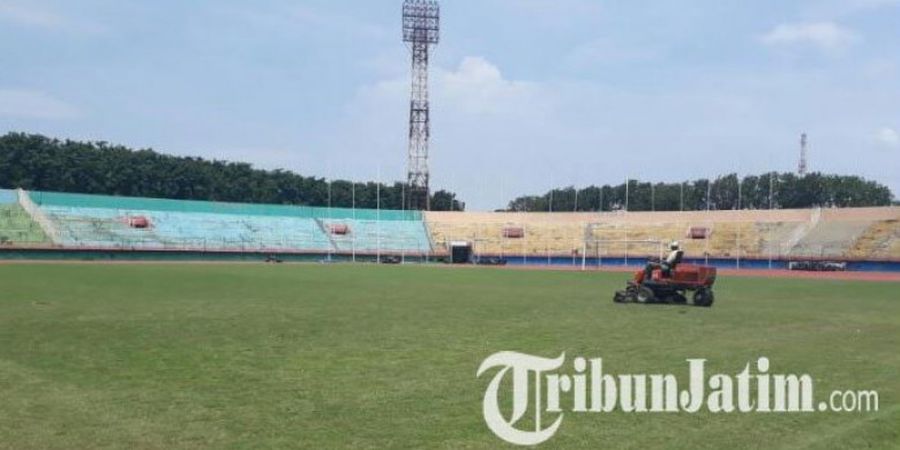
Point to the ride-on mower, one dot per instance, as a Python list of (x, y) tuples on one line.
[(671, 286)]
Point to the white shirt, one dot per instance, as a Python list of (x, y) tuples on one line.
[(672, 257)]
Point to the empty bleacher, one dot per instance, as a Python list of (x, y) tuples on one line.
[(880, 240), (858, 233), (486, 237), (557, 234), (830, 239), (104, 222), (109, 228), (79, 221), (372, 236)]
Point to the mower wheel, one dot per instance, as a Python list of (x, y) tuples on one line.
[(645, 295), (704, 297)]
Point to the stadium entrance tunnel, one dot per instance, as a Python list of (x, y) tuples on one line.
[(460, 252)]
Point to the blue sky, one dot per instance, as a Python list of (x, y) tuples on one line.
[(527, 94)]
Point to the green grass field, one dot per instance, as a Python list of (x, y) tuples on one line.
[(314, 356)]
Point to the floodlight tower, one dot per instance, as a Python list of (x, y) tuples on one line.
[(421, 27), (804, 148)]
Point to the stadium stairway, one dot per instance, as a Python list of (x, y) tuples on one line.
[(780, 237), (16, 225), (850, 232), (325, 231), (881, 240), (830, 239)]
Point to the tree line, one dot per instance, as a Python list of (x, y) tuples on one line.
[(35, 162), (771, 190), (767, 191)]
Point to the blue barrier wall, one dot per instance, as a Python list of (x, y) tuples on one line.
[(721, 263)]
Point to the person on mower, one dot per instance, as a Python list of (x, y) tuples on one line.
[(667, 265)]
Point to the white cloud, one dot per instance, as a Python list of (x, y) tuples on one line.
[(18, 103), (482, 120), (495, 135), (478, 87), (475, 87), (889, 137), (826, 36)]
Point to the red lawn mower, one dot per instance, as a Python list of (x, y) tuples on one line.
[(671, 286)]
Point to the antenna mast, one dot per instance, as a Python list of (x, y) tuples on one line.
[(804, 149)]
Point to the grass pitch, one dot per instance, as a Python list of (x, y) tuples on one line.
[(247, 356)]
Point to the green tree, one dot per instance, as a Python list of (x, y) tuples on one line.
[(36, 162)]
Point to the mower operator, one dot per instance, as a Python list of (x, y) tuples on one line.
[(666, 265)]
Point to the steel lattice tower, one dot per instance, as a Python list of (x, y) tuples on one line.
[(421, 29)]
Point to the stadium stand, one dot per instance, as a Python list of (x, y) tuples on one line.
[(544, 233), (622, 238), (830, 239), (110, 228), (880, 240), (104, 222), (194, 206), (861, 232), (371, 236), (855, 233), (77, 221)]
